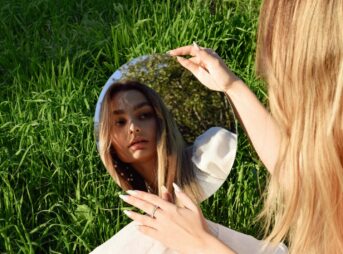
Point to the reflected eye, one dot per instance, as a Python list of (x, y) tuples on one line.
[(120, 122), (146, 115)]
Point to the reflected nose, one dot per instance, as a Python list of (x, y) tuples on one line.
[(134, 128)]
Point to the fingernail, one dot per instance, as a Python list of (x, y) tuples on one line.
[(124, 197), (132, 192), (164, 189), (127, 213), (195, 45), (176, 188), (168, 52)]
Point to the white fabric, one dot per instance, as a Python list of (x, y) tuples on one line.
[(213, 155), (130, 240)]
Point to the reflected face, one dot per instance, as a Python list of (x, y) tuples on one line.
[(133, 127)]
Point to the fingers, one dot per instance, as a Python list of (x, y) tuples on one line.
[(205, 58), (191, 64), (147, 207), (183, 51), (141, 219), (196, 67), (166, 195), (184, 199), (145, 201), (193, 50), (148, 202), (198, 71)]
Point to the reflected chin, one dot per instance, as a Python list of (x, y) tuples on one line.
[(141, 154)]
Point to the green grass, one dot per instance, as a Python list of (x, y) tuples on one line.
[(55, 195)]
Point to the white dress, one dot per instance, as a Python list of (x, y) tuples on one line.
[(213, 155)]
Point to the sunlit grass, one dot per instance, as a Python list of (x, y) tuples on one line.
[(55, 195)]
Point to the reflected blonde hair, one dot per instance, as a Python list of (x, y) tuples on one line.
[(174, 164), (300, 55)]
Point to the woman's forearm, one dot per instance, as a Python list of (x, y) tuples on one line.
[(257, 121)]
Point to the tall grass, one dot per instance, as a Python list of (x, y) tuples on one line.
[(55, 195)]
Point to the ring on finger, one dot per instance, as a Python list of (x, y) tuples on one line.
[(154, 211)]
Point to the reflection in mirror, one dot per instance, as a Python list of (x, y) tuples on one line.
[(154, 126)]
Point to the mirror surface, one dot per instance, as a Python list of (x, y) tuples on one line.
[(194, 107)]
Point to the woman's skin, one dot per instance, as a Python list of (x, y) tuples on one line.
[(182, 228), (133, 132)]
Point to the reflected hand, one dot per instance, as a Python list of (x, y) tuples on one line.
[(166, 195), (183, 229), (206, 66)]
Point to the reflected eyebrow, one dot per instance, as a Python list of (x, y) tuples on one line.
[(136, 107)]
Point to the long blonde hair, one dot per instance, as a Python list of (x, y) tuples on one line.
[(174, 164), (300, 55)]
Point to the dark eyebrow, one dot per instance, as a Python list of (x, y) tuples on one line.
[(136, 107)]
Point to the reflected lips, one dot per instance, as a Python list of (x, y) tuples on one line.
[(138, 143)]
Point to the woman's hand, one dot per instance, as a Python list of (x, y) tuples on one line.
[(207, 66), (183, 229), (180, 228)]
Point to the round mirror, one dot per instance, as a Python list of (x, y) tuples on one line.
[(196, 111)]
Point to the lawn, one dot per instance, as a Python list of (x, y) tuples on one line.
[(55, 194)]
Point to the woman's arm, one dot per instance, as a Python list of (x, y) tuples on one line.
[(212, 72), (257, 122)]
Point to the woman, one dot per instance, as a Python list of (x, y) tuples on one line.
[(300, 56), (141, 147), (133, 115)]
